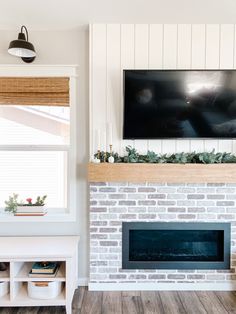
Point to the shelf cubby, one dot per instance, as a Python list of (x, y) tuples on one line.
[(5, 275), (23, 273)]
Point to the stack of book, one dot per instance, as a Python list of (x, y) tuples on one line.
[(30, 211), (44, 269)]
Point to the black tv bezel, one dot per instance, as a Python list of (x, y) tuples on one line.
[(168, 138)]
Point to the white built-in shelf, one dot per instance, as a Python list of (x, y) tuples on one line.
[(21, 252)]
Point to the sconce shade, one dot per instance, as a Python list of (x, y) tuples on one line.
[(21, 47)]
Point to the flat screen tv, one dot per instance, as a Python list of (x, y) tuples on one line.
[(161, 104)]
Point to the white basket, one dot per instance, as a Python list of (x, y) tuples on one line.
[(4, 288), (48, 291)]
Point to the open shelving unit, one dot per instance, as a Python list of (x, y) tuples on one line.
[(22, 252)]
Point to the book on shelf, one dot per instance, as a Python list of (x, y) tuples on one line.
[(44, 267), (44, 275)]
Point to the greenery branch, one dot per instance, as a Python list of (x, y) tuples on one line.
[(133, 156)]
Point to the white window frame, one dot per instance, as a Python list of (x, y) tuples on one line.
[(54, 215)]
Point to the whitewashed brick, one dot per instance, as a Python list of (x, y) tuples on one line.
[(136, 196), (196, 209), (206, 216), (157, 209), (146, 190), (205, 203), (189, 202), (167, 216), (107, 190), (127, 190), (117, 196), (176, 209), (187, 216), (186, 203), (137, 209), (176, 196)]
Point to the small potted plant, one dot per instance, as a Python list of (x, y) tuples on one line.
[(13, 205), (36, 206)]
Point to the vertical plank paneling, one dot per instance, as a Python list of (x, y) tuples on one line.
[(114, 110), (170, 46), (98, 79), (170, 62), (226, 62), (227, 46), (198, 62), (141, 57), (141, 46), (198, 46), (184, 46), (212, 62), (155, 62), (155, 46), (127, 62), (212, 46), (234, 66), (184, 62)]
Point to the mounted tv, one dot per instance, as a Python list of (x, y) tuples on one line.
[(161, 104)]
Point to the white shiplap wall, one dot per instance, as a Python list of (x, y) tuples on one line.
[(114, 47)]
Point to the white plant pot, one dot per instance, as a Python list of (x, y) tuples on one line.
[(51, 291), (29, 208), (4, 288)]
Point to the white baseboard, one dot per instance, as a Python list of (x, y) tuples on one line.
[(162, 286), (83, 281)]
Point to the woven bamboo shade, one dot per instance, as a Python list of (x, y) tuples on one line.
[(34, 91)]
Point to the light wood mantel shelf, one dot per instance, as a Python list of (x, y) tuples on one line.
[(162, 173)]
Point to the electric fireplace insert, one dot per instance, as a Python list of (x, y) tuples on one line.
[(163, 245)]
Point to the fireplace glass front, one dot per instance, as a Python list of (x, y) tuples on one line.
[(176, 245)]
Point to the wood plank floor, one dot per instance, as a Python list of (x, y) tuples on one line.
[(143, 302)]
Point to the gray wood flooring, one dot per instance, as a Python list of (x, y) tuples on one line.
[(143, 302)]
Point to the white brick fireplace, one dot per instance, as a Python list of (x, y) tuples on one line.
[(114, 203)]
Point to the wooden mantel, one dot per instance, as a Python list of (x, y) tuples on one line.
[(162, 173)]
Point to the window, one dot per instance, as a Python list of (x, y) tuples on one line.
[(35, 153)]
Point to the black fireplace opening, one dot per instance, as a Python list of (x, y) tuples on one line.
[(148, 245)]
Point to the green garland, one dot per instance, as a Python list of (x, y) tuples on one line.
[(178, 158)]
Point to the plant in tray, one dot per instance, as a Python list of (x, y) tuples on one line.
[(13, 205)]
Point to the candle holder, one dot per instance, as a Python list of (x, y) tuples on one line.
[(111, 159), (104, 157), (96, 159), (110, 149)]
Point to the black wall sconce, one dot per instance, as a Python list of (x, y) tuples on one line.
[(21, 47)]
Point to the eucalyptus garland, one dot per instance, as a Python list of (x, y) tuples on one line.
[(178, 158)]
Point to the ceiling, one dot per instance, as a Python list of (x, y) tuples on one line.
[(67, 14)]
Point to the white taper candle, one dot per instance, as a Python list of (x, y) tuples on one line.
[(97, 140), (109, 129)]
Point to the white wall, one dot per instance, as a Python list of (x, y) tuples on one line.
[(114, 47), (62, 47)]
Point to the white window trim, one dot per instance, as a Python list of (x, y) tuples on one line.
[(56, 215)]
